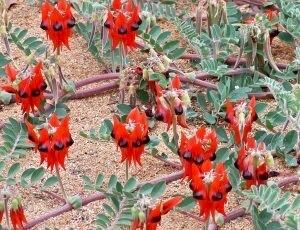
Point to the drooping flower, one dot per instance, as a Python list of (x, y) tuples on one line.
[(52, 141), (58, 22), (197, 149), (16, 213), (241, 118), (155, 214), (122, 24), (131, 136), (210, 188), (170, 103), (253, 162), (29, 91)]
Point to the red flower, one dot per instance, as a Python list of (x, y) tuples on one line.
[(210, 189), (17, 216), (168, 100), (240, 123), (271, 12), (253, 161), (58, 22), (52, 141), (131, 136), (28, 91), (199, 148), (1, 211), (154, 214), (122, 24)]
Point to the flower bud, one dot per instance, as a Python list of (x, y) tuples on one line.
[(185, 98), (269, 160), (142, 216), (219, 218), (146, 74), (15, 204), (1, 206), (134, 212)]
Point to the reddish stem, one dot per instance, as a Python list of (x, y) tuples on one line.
[(96, 78), (94, 91)]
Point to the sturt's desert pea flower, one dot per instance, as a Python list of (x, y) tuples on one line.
[(58, 22), (122, 23), (131, 136), (29, 89), (197, 149), (210, 188), (52, 141)]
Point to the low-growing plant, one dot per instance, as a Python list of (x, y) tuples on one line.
[(230, 70)]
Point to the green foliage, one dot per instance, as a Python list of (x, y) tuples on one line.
[(272, 209), (15, 140), (161, 42), (30, 45), (121, 198)]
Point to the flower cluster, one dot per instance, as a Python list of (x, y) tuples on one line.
[(58, 22), (197, 149), (131, 136), (17, 216), (253, 160), (122, 24), (29, 91), (171, 103), (209, 185), (210, 189), (154, 214), (52, 141)]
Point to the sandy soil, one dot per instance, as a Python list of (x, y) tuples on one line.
[(89, 157)]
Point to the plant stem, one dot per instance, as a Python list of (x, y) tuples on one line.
[(60, 183), (6, 212), (126, 171)]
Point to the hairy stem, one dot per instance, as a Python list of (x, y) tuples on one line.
[(60, 183), (6, 212)]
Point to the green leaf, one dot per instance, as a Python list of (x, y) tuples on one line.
[(37, 175), (188, 203), (222, 155), (2, 164), (112, 182), (106, 129), (99, 181), (290, 141), (130, 185), (170, 46), (13, 170), (201, 99), (240, 93), (222, 135), (51, 181), (75, 201), (209, 118), (146, 189), (87, 183), (286, 37), (158, 189), (124, 109), (5, 97), (142, 95)]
